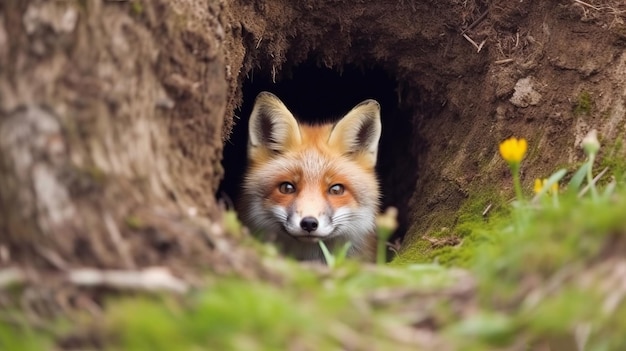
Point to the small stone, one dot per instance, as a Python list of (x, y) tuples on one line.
[(525, 94)]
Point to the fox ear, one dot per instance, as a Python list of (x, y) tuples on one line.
[(272, 127), (358, 132)]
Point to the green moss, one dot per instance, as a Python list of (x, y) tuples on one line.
[(133, 222), (481, 206), (137, 8), (489, 327), (455, 246), (231, 223), (416, 251), (21, 336), (452, 256), (584, 104)]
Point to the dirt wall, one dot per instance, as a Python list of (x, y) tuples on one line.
[(467, 75)]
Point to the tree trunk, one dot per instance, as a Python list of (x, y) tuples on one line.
[(111, 119)]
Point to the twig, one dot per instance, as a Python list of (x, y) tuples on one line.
[(499, 62), (587, 4), (477, 46), (52, 257), (594, 181), (487, 210), (149, 279), (476, 22), (11, 276)]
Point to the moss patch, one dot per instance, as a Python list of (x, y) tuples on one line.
[(615, 160), (454, 246), (584, 104), (18, 335)]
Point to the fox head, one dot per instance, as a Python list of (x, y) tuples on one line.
[(308, 183)]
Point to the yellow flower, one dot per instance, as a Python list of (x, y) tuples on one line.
[(513, 150), (540, 183)]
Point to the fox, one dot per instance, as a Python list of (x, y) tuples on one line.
[(307, 183)]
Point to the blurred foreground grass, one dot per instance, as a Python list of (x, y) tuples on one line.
[(558, 282)]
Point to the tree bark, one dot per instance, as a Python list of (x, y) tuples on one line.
[(111, 119)]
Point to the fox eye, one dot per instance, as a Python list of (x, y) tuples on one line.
[(287, 188), (336, 189)]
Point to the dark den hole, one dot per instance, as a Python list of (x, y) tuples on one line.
[(317, 95)]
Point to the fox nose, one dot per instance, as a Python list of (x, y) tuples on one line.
[(309, 224)]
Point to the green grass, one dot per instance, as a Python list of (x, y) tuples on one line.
[(544, 277), (22, 336), (554, 259), (309, 313), (530, 289)]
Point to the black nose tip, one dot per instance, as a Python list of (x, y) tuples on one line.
[(309, 224)]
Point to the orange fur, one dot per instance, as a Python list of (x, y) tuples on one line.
[(309, 183)]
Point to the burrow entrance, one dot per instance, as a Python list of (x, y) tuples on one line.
[(319, 94), (439, 93)]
